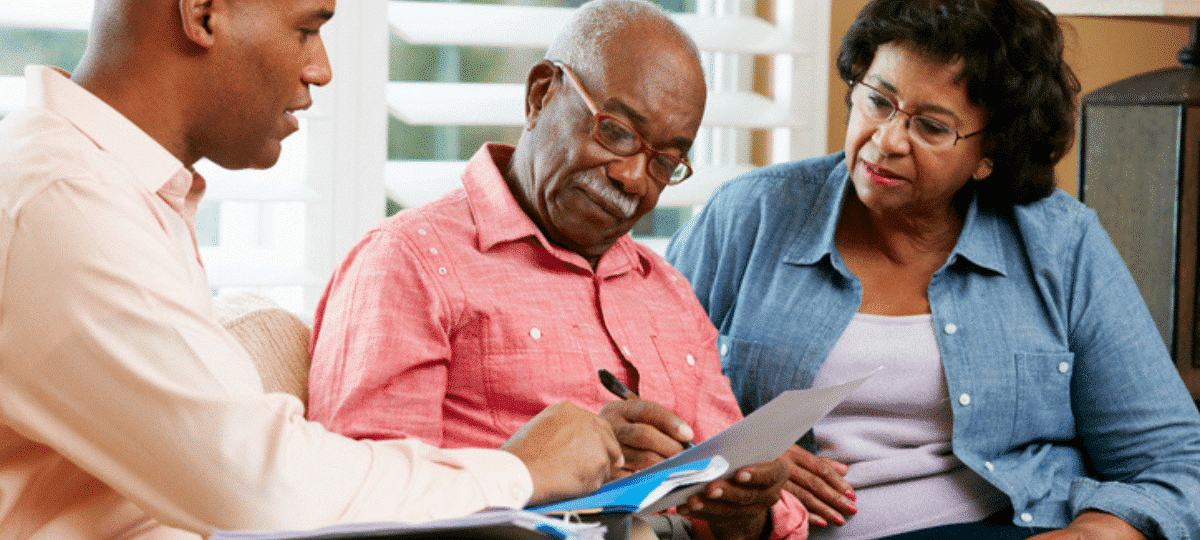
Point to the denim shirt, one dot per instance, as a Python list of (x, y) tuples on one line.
[(1062, 391)]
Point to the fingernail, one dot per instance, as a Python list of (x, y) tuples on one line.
[(686, 433), (816, 520), (853, 508), (839, 519), (850, 495)]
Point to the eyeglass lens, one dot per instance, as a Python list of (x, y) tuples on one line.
[(879, 107)]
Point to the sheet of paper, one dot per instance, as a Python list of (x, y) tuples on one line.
[(761, 436)]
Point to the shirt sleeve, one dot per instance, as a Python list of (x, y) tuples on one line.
[(109, 355), (381, 346), (1133, 413)]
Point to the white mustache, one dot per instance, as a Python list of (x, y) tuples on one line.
[(624, 202)]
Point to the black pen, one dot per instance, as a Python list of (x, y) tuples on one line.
[(619, 389)]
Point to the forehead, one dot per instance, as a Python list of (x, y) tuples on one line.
[(297, 9), (655, 76), (920, 81)]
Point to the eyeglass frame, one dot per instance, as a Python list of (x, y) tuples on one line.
[(645, 148), (896, 109)]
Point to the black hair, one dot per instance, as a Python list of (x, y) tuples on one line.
[(1012, 64)]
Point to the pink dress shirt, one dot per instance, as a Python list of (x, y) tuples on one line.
[(457, 322), (126, 410)]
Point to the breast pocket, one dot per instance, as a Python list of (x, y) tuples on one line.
[(528, 364), (1043, 397), (756, 371)]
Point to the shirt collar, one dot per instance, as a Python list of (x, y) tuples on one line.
[(979, 242), (151, 164), (821, 223), (500, 219)]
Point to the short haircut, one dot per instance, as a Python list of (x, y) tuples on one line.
[(582, 41), (1012, 62)]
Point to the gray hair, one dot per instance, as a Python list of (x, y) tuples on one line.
[(581, 41)]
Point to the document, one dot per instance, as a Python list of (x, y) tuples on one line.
[(637, 491), (491, 524), (761, 436)]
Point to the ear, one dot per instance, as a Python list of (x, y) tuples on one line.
[(983, 170), (539, 89), (196, 17)]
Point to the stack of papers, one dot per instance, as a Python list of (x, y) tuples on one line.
[(492, 524)]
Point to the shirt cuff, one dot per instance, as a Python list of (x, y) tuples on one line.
[(1130, 502), (789, 518)]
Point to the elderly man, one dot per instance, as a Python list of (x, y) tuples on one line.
[(126, 411), (457, 321)]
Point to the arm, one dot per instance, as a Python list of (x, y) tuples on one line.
[(1135, 417), (110, 356), (381, 346)]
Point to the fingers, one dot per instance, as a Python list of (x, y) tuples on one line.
[(750, 493), (820, 485), (647, 431), (567, 450)]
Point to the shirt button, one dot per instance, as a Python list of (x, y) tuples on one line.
[(625, 350), (1063, 367), (421, 231), (442, 270), (433, 251), (988, 465), (535, 333), (950, 328), (964, 399), (1026, 517), (691, 360), (724, 349)]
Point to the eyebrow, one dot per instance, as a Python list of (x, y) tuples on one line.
[(924, 107), (322, 13), (682, 143)]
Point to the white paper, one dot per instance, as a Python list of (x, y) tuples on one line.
[(761, 436)]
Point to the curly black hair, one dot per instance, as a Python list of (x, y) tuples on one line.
[(1012, 62)]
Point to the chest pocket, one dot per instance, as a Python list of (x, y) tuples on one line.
[(758, 372), (527, 364), (1043, 397)]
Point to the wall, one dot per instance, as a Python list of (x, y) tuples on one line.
[(1100, 50)]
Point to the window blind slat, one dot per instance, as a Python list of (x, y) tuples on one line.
[(495, 104)]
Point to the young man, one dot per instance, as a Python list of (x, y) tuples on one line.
[(127, 411)]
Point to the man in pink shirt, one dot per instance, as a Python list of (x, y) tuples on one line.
[(457, 321), (126, 411)]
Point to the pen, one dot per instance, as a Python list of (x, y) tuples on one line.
[(619, 389)]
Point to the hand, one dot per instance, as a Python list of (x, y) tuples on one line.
[(1094, 525), (647, 431), (737, 508), (820, 485), (568, 451)]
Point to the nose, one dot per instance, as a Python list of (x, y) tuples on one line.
[(891, 136), (630, 172), (318, 71)]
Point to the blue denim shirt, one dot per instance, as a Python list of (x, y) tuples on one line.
[(1063, 394)]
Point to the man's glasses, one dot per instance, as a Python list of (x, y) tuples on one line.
[(879, 107), (620, 139)]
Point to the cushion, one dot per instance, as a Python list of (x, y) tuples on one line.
[(276, 339)]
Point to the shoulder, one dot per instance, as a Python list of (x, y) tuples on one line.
[(1056, 223), (446, 218), (792, 180), (38, 148)]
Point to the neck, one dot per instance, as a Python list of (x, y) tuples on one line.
[(902, 237)]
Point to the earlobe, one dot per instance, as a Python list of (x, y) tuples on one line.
[(538, 90), (984, 169), (196, 16)]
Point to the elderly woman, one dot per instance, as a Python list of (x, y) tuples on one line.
[(1025, 388)]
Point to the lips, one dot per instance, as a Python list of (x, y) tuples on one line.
[(881, 176)]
